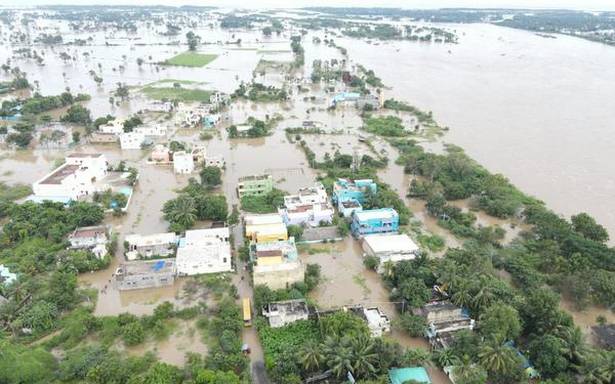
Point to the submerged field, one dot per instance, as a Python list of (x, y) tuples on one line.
[(191, 59), (176, 93)]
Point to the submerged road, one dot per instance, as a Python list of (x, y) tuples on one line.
[(249, 334)]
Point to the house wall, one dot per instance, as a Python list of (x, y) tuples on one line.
[(151, 280), (255, 187), (280, 278)]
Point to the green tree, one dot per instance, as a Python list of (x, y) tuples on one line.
[(414, 325), (546, 354), (20, 364), (193, 40), (589, 228), (310, 356), (498, 358), (133, 333), (414, 291), (180, 212), (211, 176), (77, 114), (500, 320), (296, 231)]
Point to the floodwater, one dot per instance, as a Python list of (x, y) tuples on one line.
[(538, 110), (346, 281), (185, 338)]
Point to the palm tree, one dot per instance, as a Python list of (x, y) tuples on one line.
[(575, 344), (445, 357), (485, 294), (311, 356), (180, 211), (598, 368), (363, 356), (497, 357), (339, 355), (462, 296)]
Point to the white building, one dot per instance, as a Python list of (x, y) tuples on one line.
[(183, 162), (218, 98), (281, 313), (72, 180), (115, 127), (390, 248), (377, 322), (92, 238), (160, 106), (310, 207), (150, 246), (156, 130), (204, 251), (309, 195), (131, 140)]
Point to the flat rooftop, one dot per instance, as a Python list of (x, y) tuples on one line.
[(254, 177), (391, 243), (153, 239), (273, 218), (384, 213), (60, 174), (89, 232), (146, 267)]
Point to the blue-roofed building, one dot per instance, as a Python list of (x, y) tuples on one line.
[(346, 190), (383, 220), (345, 97), (402, 375)]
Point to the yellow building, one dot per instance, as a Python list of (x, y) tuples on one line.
[(265, 228)]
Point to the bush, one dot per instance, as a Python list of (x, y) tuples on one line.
[(371, 262)]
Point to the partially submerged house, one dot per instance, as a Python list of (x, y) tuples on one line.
[(152, 130), (183, 162), (265, 228), (281, 313), (74, 179), (349, 195), (389, 248), (132, 140), (257, 185), (145, 274), (443, 320), (309, 207), (93, 238), (161, 154), (150, 246), (377, 322), (276, 264), (366, 222), (204, 251)]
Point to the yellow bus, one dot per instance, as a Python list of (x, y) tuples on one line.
[(247, 313)]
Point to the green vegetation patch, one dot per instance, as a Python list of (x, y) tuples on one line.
[(191, 59), (174, 93)]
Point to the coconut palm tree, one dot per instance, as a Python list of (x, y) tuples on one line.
[(364, 357), (180, 211), (445, 357), (575, 344), (339, 355), (311, 356), (497, 357), (461, 295), (485, 294)]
